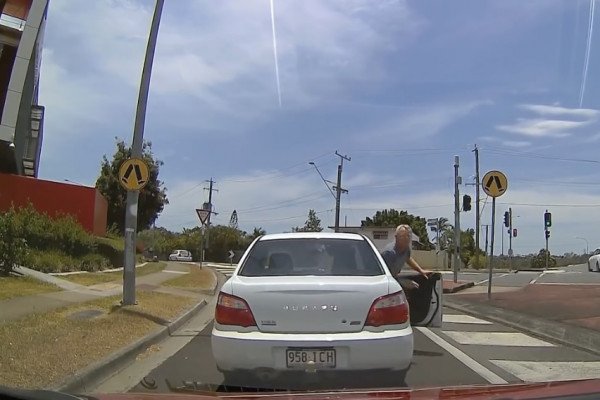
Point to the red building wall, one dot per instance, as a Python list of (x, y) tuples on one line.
[(84, 203)]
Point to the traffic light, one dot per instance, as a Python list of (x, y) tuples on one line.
[(515, 232), (466, 202), (547, 219), (547, 234), (506, 219)]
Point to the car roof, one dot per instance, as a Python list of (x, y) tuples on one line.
[(312, 235)]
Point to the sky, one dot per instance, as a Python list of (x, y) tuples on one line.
[(399, 86)]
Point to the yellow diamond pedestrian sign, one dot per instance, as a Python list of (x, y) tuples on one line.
[(134, 174), (494, 183)]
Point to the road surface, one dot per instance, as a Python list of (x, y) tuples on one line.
[(466, 350)]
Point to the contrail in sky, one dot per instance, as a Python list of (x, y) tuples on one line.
[(275, 53), (588, 49)]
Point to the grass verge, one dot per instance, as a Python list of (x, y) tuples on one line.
[(43, 349), (197, 280), (15, 286), (103, 277)]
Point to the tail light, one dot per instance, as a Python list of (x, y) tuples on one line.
[(391, 309), (232, 310)]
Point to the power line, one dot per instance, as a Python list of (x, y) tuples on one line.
[(537, 156), (288, 218), (550, 205)]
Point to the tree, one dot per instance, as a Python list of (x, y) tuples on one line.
[(256, 233), (312, 224), (152, 197), (13, 247), (539, 261), (221, 240), (392, 218)]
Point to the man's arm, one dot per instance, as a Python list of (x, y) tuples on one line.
[(414, 265)]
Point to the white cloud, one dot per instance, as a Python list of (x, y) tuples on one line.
[(543, 127), (412, 123), (555, 126), (542, 109), (505, 143)]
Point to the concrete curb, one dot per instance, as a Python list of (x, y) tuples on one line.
[(96, 372), (458, 288), (570, 335)]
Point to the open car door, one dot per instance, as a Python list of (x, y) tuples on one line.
[(426, 302)]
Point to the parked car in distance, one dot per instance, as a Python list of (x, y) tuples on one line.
[(180, 255), (594, 262)]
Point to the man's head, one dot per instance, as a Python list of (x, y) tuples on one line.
[(403, 237)]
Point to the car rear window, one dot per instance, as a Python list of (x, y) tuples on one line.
[(326, 257)]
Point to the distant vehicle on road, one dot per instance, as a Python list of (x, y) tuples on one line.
[(594, 262), (318, 303), (180, 255)]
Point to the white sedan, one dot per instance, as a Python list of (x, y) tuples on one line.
[(180, 255), (594, 262), (317, 302)]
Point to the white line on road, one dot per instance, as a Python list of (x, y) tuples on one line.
[(463, 319), (513, 339), (534, 280), (176, 272), (495, 277), (548, 371), (462, 357)]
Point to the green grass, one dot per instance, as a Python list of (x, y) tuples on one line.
[(15, 286), (43, 349), (117, 276), (198, 279)]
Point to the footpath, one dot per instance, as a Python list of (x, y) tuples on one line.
[(565, 313), (73, 293)]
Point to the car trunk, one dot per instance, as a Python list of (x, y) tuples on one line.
[(310, 304)]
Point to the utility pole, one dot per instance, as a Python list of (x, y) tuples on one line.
[(339, 190), (136, 151), (456, 219), (491, 267), (477, 210), (502, 240), (209, 207)]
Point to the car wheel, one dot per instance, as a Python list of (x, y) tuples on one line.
[(597, 266)]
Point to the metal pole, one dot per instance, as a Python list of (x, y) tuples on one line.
[(486, 239), (489, 291), (338, 194), (502, 241), (437, 243), (547, 255), (510, 252), (477, 209), (131, 208), (456, 220)]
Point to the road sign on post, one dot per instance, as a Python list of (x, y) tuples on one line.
[(134, 174), (202, 215), (230, 255), (494, 185)]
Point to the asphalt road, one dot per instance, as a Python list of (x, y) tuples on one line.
[(576, 274), (465, 351)]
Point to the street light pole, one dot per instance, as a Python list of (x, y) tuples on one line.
[(587, 244), (131, 208)]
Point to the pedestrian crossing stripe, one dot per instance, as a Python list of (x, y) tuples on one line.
[(512, 339), (548, 371), (463, 319)]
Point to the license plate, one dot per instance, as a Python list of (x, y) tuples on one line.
[(318, 358)]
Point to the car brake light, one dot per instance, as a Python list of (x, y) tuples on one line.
[(391, 309), (232, 310)]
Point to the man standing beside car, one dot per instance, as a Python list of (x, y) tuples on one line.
[(398, 253)]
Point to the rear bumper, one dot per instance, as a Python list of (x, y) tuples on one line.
[(235, 351)]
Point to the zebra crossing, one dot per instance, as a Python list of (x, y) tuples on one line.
[(503, 355), (225, 269)]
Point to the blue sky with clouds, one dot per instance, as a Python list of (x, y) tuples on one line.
[(400, 86)]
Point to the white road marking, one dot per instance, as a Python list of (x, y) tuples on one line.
[(515, 339), (548, 371), (176, 272), (493, 277), (554, 271), (534, 280), (463, 319), (462, 357)]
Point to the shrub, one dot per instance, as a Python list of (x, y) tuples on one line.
[(93, 262), (49, 261), (13, 247)]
